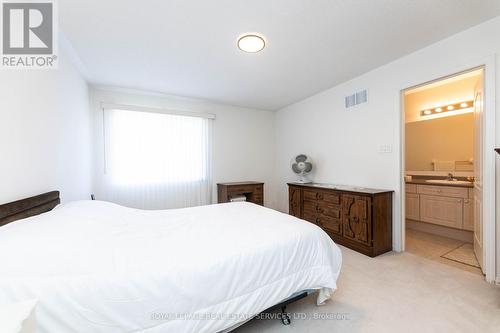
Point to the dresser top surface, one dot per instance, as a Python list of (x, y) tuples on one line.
[(240, 183), (345, 188)]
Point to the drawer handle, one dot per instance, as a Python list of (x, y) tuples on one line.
[(319, 196), (318, 209), (318, 221)]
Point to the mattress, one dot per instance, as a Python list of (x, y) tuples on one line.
[(99, 267)]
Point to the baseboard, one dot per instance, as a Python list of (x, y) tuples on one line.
[(461, 235)]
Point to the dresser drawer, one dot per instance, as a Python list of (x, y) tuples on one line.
[(311, 195), (321, 207), (330, 197), (445, 191), (326, 222), (240, 189), (329, 224), (309, 216)]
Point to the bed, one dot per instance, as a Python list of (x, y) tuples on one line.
[(95, 266)]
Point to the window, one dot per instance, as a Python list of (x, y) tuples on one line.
[(156, 160)]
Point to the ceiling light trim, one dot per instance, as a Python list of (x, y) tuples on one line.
[(251, 35)]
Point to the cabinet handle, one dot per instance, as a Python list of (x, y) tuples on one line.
[(466, 201), (318, 209), (318, 221)]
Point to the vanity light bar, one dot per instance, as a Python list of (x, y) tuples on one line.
[(447, 108)]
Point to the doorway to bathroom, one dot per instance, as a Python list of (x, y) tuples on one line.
[(443, 170)]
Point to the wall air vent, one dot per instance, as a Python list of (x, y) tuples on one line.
[(350, 101), (356, 99)]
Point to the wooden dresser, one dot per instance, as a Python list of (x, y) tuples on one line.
[(358, 218), (253, 191)]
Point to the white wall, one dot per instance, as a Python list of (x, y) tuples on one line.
[(243, 142), (344, 143), (44, 132)]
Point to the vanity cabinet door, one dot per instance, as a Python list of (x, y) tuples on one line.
[(444, 211), (356, 219), (412, 206), (469, 214)]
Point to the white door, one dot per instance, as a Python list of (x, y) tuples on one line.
[(478, 172)]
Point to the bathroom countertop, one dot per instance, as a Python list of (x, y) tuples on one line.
[(418, 181)]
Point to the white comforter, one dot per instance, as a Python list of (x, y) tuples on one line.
[(100, 267)]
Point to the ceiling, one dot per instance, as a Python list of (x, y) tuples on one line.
[(188, 47)]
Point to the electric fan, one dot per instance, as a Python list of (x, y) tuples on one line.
[(302, 165)]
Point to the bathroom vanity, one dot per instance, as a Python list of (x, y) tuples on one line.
[(445, 204)]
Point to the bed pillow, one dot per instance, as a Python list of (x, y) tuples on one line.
[(18, 317)]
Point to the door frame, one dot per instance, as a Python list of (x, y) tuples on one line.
[(489, 179)]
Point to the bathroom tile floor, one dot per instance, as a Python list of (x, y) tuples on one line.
[(433, 247)]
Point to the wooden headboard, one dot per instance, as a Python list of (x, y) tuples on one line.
[(28, 207)]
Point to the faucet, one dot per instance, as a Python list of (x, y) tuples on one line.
[(450, 177)]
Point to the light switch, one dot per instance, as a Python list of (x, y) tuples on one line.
[(385, 149)]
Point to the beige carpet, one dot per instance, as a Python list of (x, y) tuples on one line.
[(463, 254), (396, 293)]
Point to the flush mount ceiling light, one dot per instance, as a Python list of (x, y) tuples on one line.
[(457, 107), (251, 43)]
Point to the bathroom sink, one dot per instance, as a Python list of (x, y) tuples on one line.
[(444, 181)]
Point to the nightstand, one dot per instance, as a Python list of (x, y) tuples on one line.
[(253, 191)]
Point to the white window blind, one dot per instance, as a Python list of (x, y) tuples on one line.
[(155, 160)]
